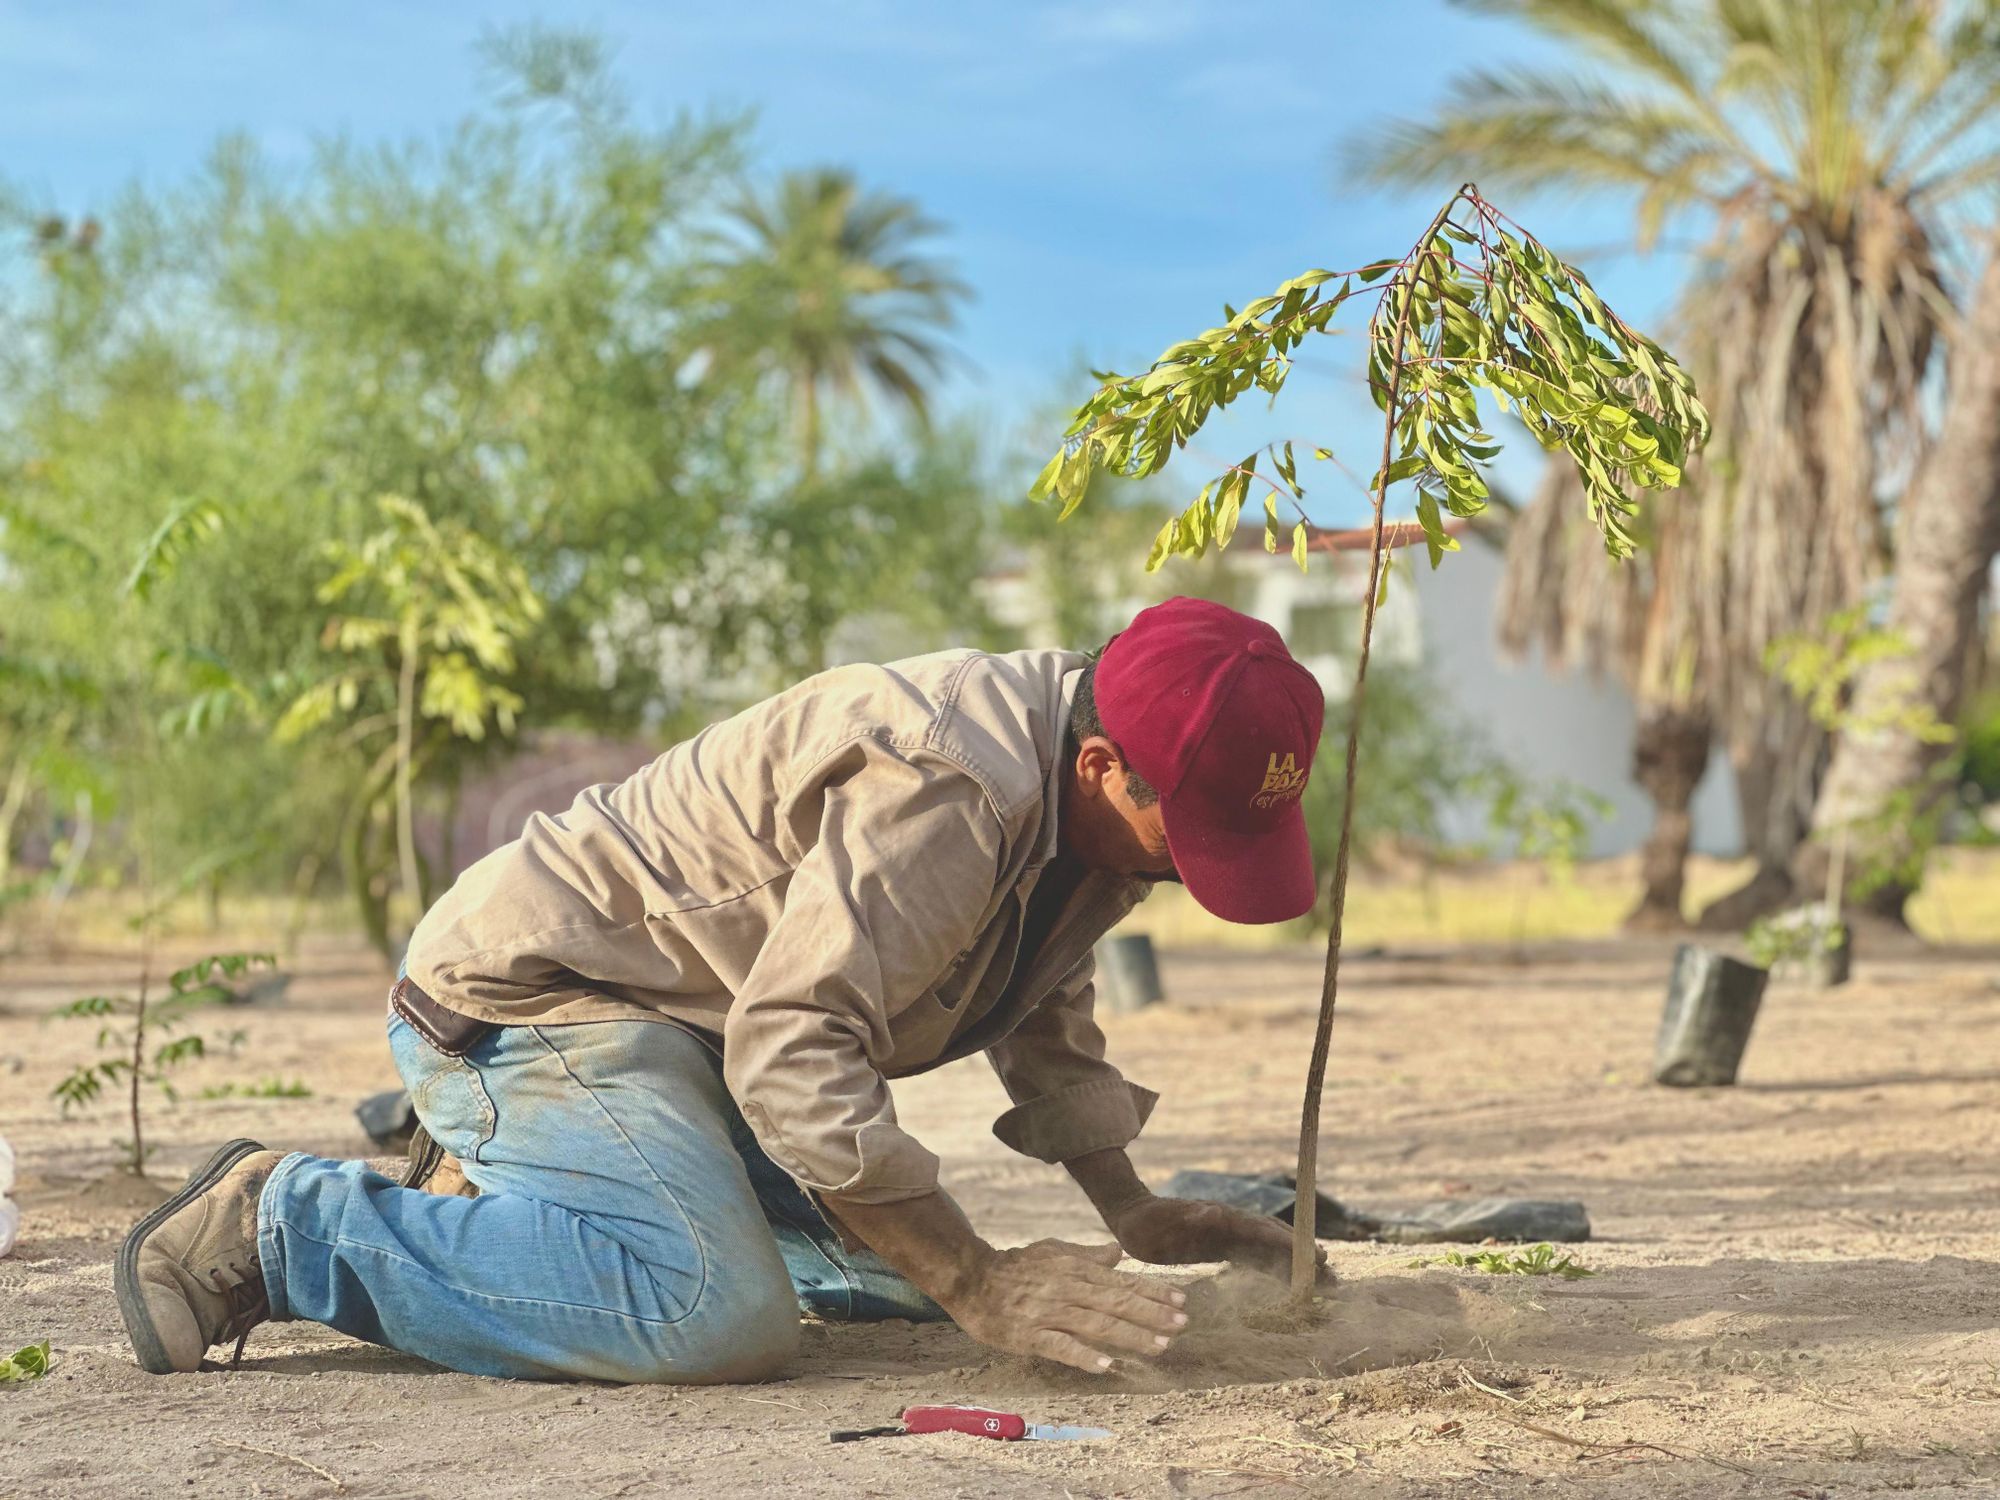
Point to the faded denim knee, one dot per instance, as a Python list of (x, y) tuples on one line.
[(740, 1329)]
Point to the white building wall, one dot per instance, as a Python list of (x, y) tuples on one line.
[(1549, 725)]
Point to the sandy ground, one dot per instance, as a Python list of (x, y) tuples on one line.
[(1797, 1290)]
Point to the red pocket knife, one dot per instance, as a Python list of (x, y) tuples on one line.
[(975, 1421)]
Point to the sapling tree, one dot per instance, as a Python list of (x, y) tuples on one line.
[(131, 1030), (137, 1047), (1820, 669), (431, 615), (1547, 824), (1475, 304)]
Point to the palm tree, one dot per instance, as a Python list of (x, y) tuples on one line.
[(1881, 782), (826, 285), (1821, 147), (1557, 595)]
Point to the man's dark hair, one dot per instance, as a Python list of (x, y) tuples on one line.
[(1084, 723)]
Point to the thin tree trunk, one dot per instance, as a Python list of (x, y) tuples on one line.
[(406, 823), (448, 854), (138, 1163), (357, 857), (1305, 1211), (79, 847), (302, 887), (1669, 755), (1947, 532), (10, 810)]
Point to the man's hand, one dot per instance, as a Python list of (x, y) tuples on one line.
[(1065, 1302), (1181, 1231), (1062, 1302), (1178, 1231)]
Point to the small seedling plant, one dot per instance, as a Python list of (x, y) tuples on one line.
[(139, 1034), (1545, 825), (31, 1363), (1476, 304), (1794, 937), (1538, 1260)]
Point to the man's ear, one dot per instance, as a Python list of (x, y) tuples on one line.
[(1094, 760)]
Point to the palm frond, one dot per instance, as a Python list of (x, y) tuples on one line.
[(1531, 131), (1628, 34)]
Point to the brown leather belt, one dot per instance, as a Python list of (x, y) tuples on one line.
[(445, 1029)]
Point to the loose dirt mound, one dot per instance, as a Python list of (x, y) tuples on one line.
[(1243, 1330)]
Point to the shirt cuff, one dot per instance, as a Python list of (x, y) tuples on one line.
[(883, 1162), (1075, 1121)]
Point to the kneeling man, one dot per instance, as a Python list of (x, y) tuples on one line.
[(657, 1032)]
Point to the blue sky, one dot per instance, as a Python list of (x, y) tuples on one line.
[(1110, 173)]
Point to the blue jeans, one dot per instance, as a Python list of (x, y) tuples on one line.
[(628, 1227)]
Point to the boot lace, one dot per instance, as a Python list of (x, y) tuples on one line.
[(244, 1305)]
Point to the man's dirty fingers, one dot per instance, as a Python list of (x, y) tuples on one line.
[(1053, 1344), (1151, 1289), (1117, 1332), (1100, 1255)]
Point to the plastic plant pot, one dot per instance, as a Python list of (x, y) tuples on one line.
[(1128, 973), (1712, 1002)]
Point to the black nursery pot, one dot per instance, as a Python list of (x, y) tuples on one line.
[(1712, 1003), (1128, 972)]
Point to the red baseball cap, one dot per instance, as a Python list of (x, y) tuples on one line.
[(1210, 708)]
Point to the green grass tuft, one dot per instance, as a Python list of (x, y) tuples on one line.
[(269, 1088), (1537, 1260)]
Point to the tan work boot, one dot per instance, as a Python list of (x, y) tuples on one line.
[(187, 1274), (432, 1169)]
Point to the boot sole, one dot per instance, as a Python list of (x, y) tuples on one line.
[(139, 1328), (426, 1156)]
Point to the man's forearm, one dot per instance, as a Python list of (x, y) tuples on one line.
[(928, 1239), (1109, 1181), (1062, 1302)]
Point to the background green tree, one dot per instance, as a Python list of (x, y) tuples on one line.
[(514, 326), (441, 615), (827, 286)]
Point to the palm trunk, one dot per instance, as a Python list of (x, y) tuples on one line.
[(1669, 754), (809, 424), (1776, 778), (1946, 535)]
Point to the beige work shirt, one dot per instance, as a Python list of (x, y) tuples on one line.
[(831, 884)]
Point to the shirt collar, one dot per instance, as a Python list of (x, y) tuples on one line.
[(1048, 837)]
